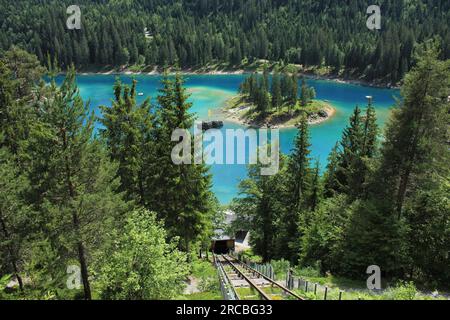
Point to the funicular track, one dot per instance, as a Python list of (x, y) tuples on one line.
[(245, 283)]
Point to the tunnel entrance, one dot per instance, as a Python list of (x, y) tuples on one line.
[(222, 246)]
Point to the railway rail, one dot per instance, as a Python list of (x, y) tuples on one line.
[(241, 282)]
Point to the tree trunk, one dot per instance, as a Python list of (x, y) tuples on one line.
[(141, 188), (76, 224), (402, 191), (82, 260), (12, 255), (418, 133), (187, 246)]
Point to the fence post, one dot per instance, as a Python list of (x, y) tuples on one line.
[(287, 278), (340, 295), (326, 292), (315, 288), (306, 286), (291, 282)]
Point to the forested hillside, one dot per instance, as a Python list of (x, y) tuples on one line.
[(100, 194), (195, 33), (111, 205), (383, 199)]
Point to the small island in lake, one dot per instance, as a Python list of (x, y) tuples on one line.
[(275, 105), (239, 111)]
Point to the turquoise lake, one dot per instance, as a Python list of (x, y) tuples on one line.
[(209, 92)]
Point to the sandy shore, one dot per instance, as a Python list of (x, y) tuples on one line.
[(234, 115), (156, 71)]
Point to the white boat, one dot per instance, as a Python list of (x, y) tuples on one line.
[(140, 94)]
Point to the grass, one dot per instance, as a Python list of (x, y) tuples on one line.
[(247, 293), (203, 268), (208, 282), (354, 289), (250, 256), (210, 295)]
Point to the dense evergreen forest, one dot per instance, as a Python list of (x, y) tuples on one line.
[(383, 199), (272, 95), (111, 203), (195, 33)]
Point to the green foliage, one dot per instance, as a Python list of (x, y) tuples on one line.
[(67, 195), (129, 136), (140, 264), (19, 74), (250, 256), (212, 32), (277, 98), (308, 272), (402, 291), (322, 236), (260, 207), (283, 91), (202, 268), (382, 205), (182, 194), (74, 184), (373, 237), (415, 151), (14, 216), (4, 280), (428, 217), (280, 268), (306, 93), (297, 181), (62, 188)]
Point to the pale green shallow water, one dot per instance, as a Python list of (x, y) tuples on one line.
[(211, 91)]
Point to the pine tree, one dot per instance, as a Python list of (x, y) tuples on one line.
[(20, 73), (259, 209), (415, 143), (411, 174), (15, 214), (263, 102), (304, 95), (183, 198), (299, 165), (294, 91), (348, 173), (298, 179), (128, 130), (276, 91), (331, 185), (72, 177), (370, 132), (316, 189)]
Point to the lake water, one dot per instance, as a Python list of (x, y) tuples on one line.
[(211, 91)]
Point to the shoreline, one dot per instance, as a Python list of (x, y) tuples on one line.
[(227, 114), (190, 71)]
